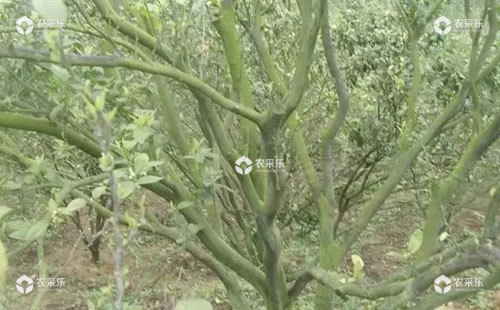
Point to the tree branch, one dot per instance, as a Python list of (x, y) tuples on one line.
[(131, 30), (333, 281), (153, 68), (437, 209), (304, 59)]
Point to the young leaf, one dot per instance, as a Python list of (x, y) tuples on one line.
[(193, 229), (100, 101), (415, 241), (443, 236), (20, 229), (396, 256), (4, 211), (184, 204), (38, 229), (193, 304), (125, 189), (148, 179), (141, 134), (12, 185), (50, 9), (73, 206), (129, 144), (98, 191), (106, 162), (141, 163), (358, 265)]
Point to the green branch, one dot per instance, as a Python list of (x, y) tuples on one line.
[(327, 203), (224, 253), (153, 68), (334, 282), (476, 257), (226, 28), (131, 30), (304, 59), (401, 164), (438, 208), (23, 122), (490, 222), (17, 121), (432, 302)]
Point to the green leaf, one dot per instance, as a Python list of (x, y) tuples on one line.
[(3, 266), (193, 229), (50, 9), (154, 163), (61, 73), (493, 190), (148, 179), (110, 116), (100, 101), (129, 144), (141, 163), (20, 229), (443, 236), (52, 205), (141, 134), (131, 221), (396, 256), (125, 189), (415, 241), (184, 204), (106, 162), (193, 304), (358, 265), (73, 206), (39, 228), (98, 191), (12, 185), (4, 211), (182, 2)]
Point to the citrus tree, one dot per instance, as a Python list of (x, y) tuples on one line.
[(239, 113)]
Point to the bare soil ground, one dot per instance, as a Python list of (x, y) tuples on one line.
[(158, 273)]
